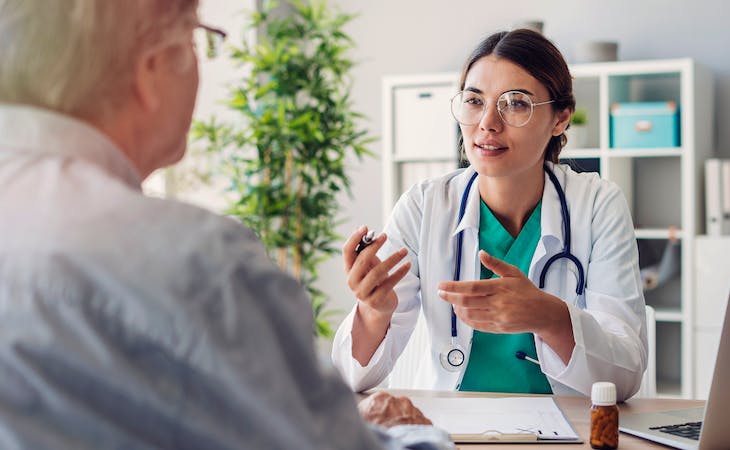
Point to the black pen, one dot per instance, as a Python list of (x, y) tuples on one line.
[(523, 356), (365, 241)]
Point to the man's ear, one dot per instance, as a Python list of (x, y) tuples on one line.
[(563, 118), (147, 76)]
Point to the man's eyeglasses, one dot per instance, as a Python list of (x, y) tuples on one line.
[(209, 38), (514, 107)]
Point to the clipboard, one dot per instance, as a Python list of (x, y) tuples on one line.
[(537, 420)]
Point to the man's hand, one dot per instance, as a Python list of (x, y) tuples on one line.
[(386, 410)]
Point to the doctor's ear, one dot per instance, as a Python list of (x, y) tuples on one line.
[(563, 119)]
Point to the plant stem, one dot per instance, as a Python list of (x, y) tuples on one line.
[(263, 201), (299, 233), (288, 181)]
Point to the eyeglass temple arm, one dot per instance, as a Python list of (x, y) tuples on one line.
[(213, 30), (543, 103)]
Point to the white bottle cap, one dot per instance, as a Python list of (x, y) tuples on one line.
[(603, 393)]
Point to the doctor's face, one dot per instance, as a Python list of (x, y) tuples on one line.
[(494, 148)]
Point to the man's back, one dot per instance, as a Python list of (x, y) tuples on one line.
[(130, 322)]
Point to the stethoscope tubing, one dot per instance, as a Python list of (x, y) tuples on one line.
[(565, 253), (566, 238)]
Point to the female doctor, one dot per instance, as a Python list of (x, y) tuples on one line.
[(526, 271)]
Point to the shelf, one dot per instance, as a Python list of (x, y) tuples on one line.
[(580, 153), (631, 68), (657, 233), (668, 315), (426, 158), (659, 152), (644, 152)]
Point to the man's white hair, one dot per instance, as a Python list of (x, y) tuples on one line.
[(78, 56)]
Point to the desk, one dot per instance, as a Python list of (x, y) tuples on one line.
[(577, 409)]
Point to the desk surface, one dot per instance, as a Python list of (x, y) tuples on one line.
[(577, 409)]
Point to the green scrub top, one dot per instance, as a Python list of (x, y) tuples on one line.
[(493, 366)]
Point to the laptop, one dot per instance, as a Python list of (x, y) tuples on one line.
[(696, 427)]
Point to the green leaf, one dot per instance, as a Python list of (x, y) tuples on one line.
[(293, 99)]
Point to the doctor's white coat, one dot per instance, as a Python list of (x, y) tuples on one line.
[(608, 319)]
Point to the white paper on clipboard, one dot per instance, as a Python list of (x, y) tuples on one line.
[(507, 419)]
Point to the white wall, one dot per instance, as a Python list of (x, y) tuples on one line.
[(409, 36), (216, 73), (215, 76)]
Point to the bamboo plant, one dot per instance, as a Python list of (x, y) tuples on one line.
[(286, 155)]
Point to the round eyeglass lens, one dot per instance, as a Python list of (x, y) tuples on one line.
[(515, 108), (467, 107)]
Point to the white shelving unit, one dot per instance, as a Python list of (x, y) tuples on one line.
[(710, 301), (419, 134), (663, 186)]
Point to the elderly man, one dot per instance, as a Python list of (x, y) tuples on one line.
[(131, 322)]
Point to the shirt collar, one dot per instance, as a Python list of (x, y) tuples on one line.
[(551, 219), (29, 129)]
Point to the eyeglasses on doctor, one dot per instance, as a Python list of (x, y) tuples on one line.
[(209, 38), (514, 107)]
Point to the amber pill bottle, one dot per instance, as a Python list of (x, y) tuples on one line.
[(604, 416)]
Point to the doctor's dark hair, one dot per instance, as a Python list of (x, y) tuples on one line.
[(541, 59)]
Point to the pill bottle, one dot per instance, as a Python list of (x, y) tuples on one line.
[(604, 416)]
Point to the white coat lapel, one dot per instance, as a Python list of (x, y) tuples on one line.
[(551, 225), (470, 225)]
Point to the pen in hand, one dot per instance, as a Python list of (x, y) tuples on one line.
[(365, 241)]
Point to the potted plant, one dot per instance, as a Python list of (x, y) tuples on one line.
[(577, 132), (286, 155)]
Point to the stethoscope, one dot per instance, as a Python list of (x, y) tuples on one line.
[(453, 357)]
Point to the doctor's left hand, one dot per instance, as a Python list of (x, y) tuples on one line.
[(510, 304)]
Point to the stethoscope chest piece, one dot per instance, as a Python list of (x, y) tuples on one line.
[(452, 357)]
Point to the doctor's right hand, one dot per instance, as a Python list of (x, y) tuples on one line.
[(369, 278), (372, 282)]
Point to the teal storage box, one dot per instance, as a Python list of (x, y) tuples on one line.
[(644, 124)]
